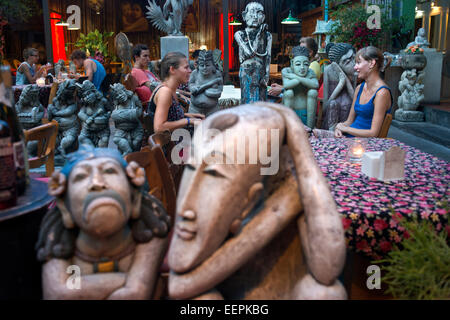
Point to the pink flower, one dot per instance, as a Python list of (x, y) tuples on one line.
[(385, 246), (361, 245), (346, 223)]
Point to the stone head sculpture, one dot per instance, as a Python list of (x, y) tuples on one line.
[(66, 89), (300, 61), (343, 54), (104, 224), (254, 15), (205, 63), (217, 235), (88, 92), (30, 94), (119, 93)]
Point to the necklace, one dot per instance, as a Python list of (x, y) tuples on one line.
[(250, 45)]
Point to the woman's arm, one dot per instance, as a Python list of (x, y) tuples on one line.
[(26, 71), (382, 102), (163, 101)]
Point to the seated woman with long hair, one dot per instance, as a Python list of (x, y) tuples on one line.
[(168, 113), (371, 102)]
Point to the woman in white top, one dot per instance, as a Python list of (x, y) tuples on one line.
[(26, 73)]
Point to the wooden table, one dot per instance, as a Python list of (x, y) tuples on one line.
[(20, 272)]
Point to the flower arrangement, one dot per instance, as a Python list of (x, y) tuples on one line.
[(415, 49), (363, 36)]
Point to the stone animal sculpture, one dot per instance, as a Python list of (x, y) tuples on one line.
[(94, 116), (255, 45), (205, 85), (301, 86), (411, 89), (103, 227), (168, 21), (338, 84), (264, 227), (64, 110), (126, 115)]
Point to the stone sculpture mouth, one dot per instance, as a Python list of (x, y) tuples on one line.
[(185, 232)]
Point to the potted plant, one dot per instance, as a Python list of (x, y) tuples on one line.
[(95, 44)]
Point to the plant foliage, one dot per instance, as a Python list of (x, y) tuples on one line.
[(95, 43), (19, 10), (421, 268)]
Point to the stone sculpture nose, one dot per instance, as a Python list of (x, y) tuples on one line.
[(189, 215), (97, 181)]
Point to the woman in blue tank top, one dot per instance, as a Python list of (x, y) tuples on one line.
[(372, 100)]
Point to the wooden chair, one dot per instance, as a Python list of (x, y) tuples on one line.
[(53, 91), (45, 135), (385, 126)]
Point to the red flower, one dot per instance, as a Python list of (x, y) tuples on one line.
[(361, 245), (380, 225), (346, 223), (385, 246)]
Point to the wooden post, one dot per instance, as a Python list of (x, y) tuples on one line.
[(226, 57), (47, 31)]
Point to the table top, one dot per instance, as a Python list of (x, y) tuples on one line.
[(35, 197), (371, 209)]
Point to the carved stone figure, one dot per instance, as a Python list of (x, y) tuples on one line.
[(59, 68), (29, 109), (301, 86), (411, 94), (126, 115), (94, 116), (64, 110), (30, 112), (103, 228), (255, 45), (338, 84), (260, 237), (205, 85), (168, 21), (420, 40)]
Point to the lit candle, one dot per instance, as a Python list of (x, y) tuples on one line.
[(40, 82), (356, 151)]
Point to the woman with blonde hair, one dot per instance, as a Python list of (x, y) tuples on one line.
[(27, 73)]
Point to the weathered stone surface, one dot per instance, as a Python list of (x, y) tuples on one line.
[(409, 116)]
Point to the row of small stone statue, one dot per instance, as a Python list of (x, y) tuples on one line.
[(124, 108)]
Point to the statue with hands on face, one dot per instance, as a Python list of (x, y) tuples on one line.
[(104, 225)]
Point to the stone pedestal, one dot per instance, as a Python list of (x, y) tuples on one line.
[(409, 116), (433, 76), (176, 44)]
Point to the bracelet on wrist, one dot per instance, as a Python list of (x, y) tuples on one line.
[(189, 121)]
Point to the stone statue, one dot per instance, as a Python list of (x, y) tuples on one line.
[(271, 231), (103, 228), (205, 85), (29, 109), (59, 68), (168, 21), (301, 85), (338, 84), (411, 94), (420, 40), (126, 115), (64, 110), (30, 113), (94, 116), (217, 55), (255, 45)]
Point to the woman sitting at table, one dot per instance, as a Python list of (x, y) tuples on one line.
[(371, 102), (168, 113), (26, 73)]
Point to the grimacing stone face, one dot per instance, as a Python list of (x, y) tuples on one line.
[(255, 15), (300, 65), (99, 196), (347, 62)]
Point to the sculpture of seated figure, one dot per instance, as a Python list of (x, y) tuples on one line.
[(126, 115), (338, 84), (94, 116), (301, 85), (30, 113), (64, 110), (103, 225), (411, 89), (270, 231), (205, 85), (420, 40)]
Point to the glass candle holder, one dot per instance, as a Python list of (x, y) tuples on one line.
[(40, 82), (356, 150)]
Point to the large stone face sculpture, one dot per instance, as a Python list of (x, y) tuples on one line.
[(126, 115), (252, 240), (300, 84), (94, 116), (29, 109), (168, 21), (255, 45), (411, 94), (103, 228), (64, 110), (338, 84), (205, 85)]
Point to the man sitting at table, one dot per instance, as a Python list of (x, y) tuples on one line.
[(95, 71), (26, 73), (144, 78)]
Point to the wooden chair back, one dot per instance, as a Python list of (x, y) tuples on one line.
[(45, 135), (160, 182), (385, 126), (53, 91)]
